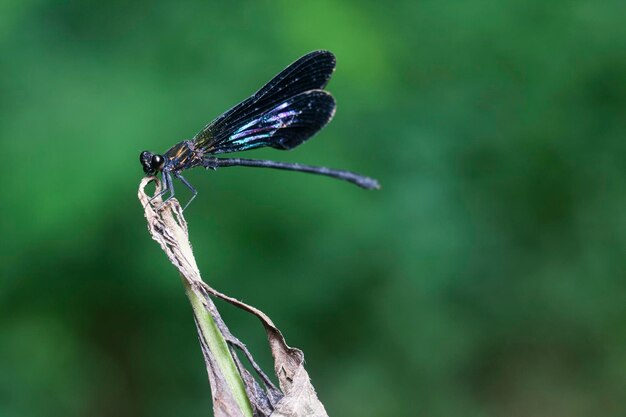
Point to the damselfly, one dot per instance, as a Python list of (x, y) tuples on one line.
[(287, 111)]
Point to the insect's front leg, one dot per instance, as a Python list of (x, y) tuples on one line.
[(169, 184), (165, 184)]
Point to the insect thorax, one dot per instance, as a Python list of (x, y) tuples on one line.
[(183, 155)]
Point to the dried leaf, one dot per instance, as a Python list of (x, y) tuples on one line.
[(296, 397)]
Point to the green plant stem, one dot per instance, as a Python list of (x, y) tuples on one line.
[(219, 348)]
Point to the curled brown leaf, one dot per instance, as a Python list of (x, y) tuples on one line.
[(296, 396)]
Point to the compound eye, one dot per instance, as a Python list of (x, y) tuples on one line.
[(146, 162), (157, 162)]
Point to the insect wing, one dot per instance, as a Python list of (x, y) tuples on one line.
[(311, 72), (283, 127)]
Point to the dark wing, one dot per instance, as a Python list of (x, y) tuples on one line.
[(283, 127), (311, 72)]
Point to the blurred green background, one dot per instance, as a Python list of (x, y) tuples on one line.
[(486, 278)]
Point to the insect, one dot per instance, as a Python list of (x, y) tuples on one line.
[(283, 114)]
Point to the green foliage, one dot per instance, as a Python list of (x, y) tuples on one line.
[(485, 278)]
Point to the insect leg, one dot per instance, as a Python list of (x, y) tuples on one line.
[(166, 187), (193, 190), (167, 179)]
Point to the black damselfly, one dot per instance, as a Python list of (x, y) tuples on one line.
[(287, 111)]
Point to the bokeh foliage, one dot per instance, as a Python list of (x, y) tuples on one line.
[(486, 278)]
